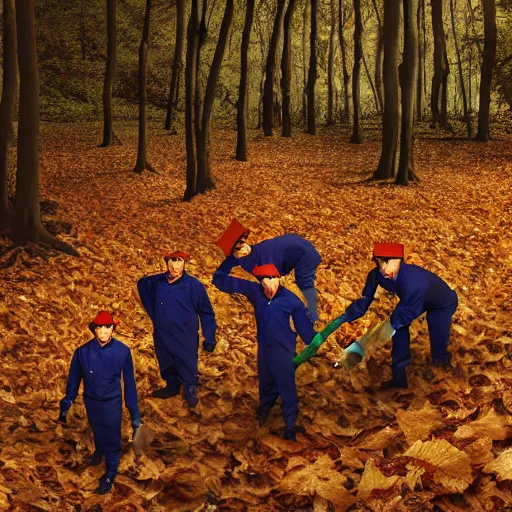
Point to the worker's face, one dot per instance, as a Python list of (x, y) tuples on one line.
[(175, 266), (270, 286), (104, 333), (242, 248), (389, 267)]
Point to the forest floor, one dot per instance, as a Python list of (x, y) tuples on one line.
[(443, 444)]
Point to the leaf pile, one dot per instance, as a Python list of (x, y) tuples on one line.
[(442, 444)]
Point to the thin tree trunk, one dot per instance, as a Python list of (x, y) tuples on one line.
[(27, 225), (259, 32), (108, 133), (82, 29), (241, 119), (176, 65), (421, 49), (142, 163), (190, 95), (378, 57), (286, 70), (346, 77), (312, 74), (268, 88), (461, 73), (358, 51), (305, 19), (424, 28), (441, 67), (330, 67), (204, 178), (408, 74), (489, 55), (7, 106), (370, 81), (391, 29)]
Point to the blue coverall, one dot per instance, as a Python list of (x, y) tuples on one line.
[(100, 368), (419, 290), (174, 308), (276, 340), (288, 252)]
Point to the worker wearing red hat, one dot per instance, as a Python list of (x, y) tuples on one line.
[(286, 252), (99, 363), (273, 307), (175, 301), (419, 291)]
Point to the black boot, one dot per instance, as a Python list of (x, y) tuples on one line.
[(262, 415), (191, 395), (96, 459), (105, 485), (164, 393), (289, 434), (393, 384)]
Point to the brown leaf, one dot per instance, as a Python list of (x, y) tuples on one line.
[(502, 465)]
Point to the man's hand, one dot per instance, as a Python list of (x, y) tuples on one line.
[(62, 417), (209, 347), (135, 426)]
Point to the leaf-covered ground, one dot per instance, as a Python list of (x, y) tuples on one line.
[(444, 444)]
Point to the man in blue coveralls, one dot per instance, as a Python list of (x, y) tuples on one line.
[(173, 301), (273, 307), (419, 291), (285, 252), (100, 363)]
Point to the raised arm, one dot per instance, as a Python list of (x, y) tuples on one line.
[(228, 284)]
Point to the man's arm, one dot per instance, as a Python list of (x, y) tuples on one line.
[(130, 390), (408, 309), (207, 316), (360, 306), (303, 323), (73, 384), (228, 284)]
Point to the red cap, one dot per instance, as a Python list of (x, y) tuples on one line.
[(388, 251), (102, 318), (268, 270), (231, 236), (176, 254)]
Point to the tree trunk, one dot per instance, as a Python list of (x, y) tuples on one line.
[(142, 163), (176, 65), (312, 74), (467, 117), (241, 118), (378, 58), (305, 18), (489, 56), (82, 29), (7, 106), (268, 88), (358, 51), (204, 178), (27, 225), (286, 70), (421, 49), (391, 30), (408, 74), (108, 133), (441, 68), (370, 82), (330, 67), (346, 77), (190, 94)]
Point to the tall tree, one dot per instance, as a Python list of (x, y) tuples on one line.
[(330, 67), (108, 133), (305, 23), (378, 107), (408, 74), (387, 162), (142, 163), (7, 106), (421, 62), (467, 117), (241, 118), (286, 70), (441, 69), (27, 225), (312, 74), (346, 77), (489, 55), (176, 65), (268, 88), (378, 56), (358, 52)]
